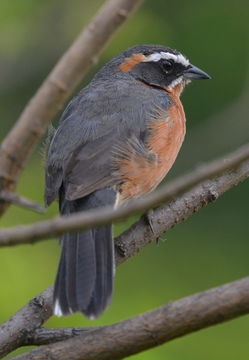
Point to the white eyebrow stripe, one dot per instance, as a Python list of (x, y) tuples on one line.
[(153, 57), (177, 58), (167, 56)]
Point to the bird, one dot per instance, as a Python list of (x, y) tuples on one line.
[(116, 140)]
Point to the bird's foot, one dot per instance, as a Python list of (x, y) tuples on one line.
[(149, 219)]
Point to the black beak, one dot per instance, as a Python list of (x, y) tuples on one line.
[(194, 72)]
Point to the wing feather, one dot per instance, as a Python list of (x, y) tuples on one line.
[(95, 123)]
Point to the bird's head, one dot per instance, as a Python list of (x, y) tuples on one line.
[(158, 66)]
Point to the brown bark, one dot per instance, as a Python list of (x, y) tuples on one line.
[(43, 336), (151, 329), (145, 331), (19, 326), (25, 322)]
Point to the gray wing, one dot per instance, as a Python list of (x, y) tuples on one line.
[(101, 118)]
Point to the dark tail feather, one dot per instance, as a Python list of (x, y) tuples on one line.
[(84, 280), (60, 288), (104, 273)]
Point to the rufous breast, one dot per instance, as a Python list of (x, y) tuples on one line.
[(141, 174)]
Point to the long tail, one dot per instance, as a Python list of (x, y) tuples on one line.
[(84, 281)]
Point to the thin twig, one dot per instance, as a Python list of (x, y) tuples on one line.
[(151, 329), (60, 83), (14, 332), (21, 201), (46, 229)]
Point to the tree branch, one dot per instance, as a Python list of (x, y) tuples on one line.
[(151, 329), (44, 336), (147, 330), (16, 329), (49, 228), (60, 83), (128, 243), (168, 216), (21, 201)]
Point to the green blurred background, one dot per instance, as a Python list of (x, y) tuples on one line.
[(211, 248)]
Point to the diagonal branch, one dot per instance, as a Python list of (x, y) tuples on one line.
[(23, 324), (30, 317), (168, 216), (60, 83), (21, 201), (45, 229), (153, 328)]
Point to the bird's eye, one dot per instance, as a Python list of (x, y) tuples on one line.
[(167, 65)]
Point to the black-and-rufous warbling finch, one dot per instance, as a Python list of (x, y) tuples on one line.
[(116, 140)]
